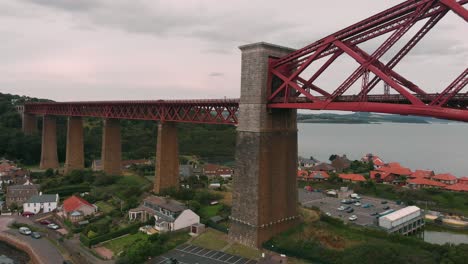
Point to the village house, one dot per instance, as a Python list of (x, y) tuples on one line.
[(352, 177), (312, 176), (378, 162), (323, 167), (302, 175), (18, 194), (341, 163), (463, 180), (419, 183), (10, 174), (395, 168), (169, 214), (383, 177), (42, 203), (428, 174), (457, 187), (307, 163), (318, 176), (445, 178), (213, 170), (76, 208)]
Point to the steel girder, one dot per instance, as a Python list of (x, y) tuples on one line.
[(295, 89), (223, 111)]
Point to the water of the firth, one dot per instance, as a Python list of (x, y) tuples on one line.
[(439, 147)]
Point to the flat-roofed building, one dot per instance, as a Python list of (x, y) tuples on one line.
[(404, 221)]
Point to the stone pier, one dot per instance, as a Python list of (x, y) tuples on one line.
[(29, 124), (111, 147), (49, 158), (75, 147), (264, 183), (167, 157)]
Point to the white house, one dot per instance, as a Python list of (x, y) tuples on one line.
[(169, 215), (42, 203)]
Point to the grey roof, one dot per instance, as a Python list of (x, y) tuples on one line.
[(216, 218), (166, 203), (45, 198), (318, 175), (164, 217), (23, 187)]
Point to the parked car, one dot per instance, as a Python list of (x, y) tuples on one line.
[(346, 201), (36, 235), (341, 208), (350, 210), (45, 222), (383, 202), (357, 204), (53, 226), (24, 231), (386, 207), (27, 214), (374, 213), (352, 218), (328, 214), (367, 205)]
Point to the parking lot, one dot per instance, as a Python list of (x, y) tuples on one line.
[(331, 204), (189, 254)]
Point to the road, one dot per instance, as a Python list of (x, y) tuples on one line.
[(44, 248)]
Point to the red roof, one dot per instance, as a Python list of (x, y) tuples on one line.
[(352, 177), (73, 203), (459, 187), (395, 168), (463, 180), (383, 174), (423, 181), (444, 177), (302, 173), (422, 174)]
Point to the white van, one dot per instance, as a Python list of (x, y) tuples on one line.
[(25, 231)]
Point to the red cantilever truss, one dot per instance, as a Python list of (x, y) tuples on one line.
[(223, 111), (292, 87)]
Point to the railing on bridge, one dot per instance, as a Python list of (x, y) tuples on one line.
[(222, 111)]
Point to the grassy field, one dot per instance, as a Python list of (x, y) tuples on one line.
[(211, 239), (243, 251), (210, 211), (119, 244), (105, 207), (227, 197)]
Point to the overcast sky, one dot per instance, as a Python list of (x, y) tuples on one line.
[(69, 50)]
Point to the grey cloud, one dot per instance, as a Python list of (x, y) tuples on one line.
[(216, 74), (68, 5), (216, 51), (160, 18)]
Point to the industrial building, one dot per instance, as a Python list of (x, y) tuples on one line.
[(404, 221)]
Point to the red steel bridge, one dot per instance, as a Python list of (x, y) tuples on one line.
[(290, 87)]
